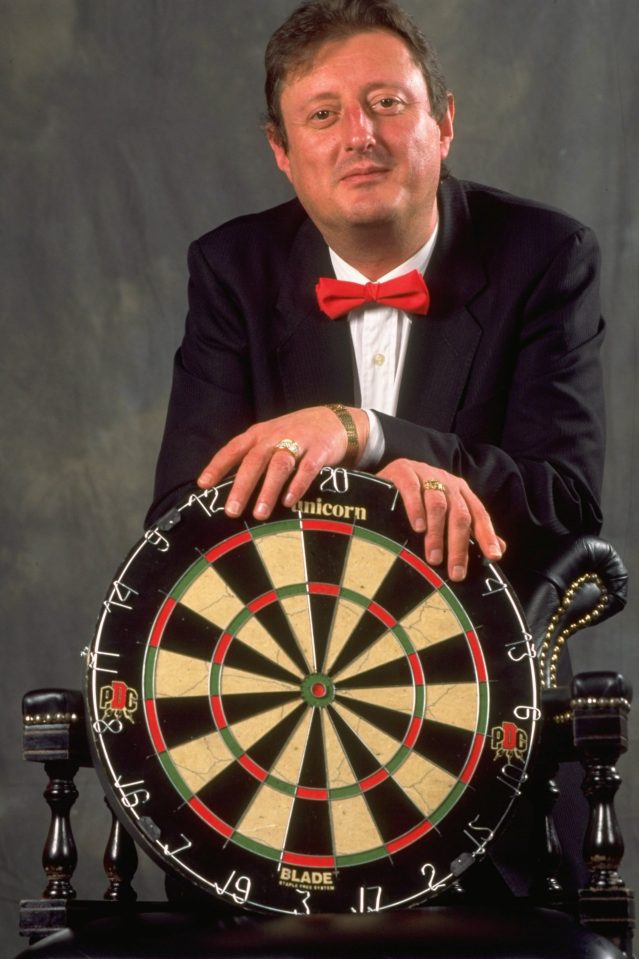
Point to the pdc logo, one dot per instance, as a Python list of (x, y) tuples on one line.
[(118, 700), (509, 740)]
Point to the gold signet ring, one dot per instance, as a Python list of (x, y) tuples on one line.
[(434, 484), (291, 447)]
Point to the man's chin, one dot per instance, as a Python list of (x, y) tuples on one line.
[(369, 214), (375, 220)]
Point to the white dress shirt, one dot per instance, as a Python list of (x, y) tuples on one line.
[(380, 338)]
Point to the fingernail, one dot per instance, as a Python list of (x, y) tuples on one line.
[(232, 507), (420, 525), (458, 572), (289, 499), (261, 510), (206, 479), (435, 557), (494, 551)]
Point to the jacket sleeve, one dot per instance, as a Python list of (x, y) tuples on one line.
[(211, 396), (544, 474)]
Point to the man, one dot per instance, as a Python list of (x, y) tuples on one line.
[(479, 397), (487, 406)]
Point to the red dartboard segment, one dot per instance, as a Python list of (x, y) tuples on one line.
[(327, 526), (222, 647), (421, 567), (223, 548), (154, 726), (257, 604), (478, 656), (161, 621), (416, 668), (371, 781), (403, 841), (252, 767), (473, 760), (305, 793), (413, 732), (310, 862), (323, 589), (209, 817), (382, 614), (218, 712)]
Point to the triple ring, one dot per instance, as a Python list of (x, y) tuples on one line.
[(434, 484), (291, 447)]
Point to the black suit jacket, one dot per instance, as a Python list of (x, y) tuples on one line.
[(502, 383)]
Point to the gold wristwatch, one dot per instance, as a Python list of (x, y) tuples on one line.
[(347, 421)]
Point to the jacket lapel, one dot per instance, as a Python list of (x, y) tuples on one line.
[(314, 354), (442, 345)]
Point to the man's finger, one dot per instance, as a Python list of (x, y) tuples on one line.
[(483, 530), (436, 503), (280, 468), (458, 534), (224, 461), (246, 479)]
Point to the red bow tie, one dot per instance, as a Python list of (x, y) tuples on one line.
[(408, 292)]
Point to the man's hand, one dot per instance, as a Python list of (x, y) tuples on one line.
[(321, 438), (449, 516)]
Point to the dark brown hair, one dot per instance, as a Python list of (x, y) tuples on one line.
[(316, 21)]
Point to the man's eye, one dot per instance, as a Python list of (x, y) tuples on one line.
[(388, 104), (322, 115)]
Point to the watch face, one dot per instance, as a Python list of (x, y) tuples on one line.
[(301, 715)]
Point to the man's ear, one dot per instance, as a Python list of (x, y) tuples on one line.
[(446, 132), (279, 150)]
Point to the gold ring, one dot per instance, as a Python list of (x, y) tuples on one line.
[(434, 484), (291, 447)]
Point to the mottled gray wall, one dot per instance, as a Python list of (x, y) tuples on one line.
[(127, 128)]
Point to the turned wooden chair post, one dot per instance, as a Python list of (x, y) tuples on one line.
[(120, 863), (600, 705)]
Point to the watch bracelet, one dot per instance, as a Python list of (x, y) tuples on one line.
[(347, 421)]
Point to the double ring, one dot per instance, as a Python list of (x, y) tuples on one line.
[(434, 484), (291, 447)]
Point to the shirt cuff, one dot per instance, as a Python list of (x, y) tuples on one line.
[(375, 445)]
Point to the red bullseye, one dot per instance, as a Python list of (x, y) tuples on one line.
[(318, 689)]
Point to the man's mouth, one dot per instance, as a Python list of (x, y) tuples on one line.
[(363, 173)]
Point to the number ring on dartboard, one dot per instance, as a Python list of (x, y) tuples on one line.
[(301, 705)]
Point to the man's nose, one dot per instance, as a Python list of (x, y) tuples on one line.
[(359, 129)]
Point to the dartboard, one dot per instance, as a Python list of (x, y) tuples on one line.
[(301, 715)]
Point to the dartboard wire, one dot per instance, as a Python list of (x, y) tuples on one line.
[(187, 800), (321, 667), (300, 520), (431, 819), (466, 627), (387, 854), (397, 552), (331, 804), (300, 646), (344, 569), (393, 765), (292, 807), (265, 784)]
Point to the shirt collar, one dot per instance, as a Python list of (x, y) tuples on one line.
[(418, 261)]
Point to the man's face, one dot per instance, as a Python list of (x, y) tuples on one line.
[(363, 149)]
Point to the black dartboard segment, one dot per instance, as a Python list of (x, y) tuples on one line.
[(301, 715)]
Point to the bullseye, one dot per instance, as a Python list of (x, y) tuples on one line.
[(318, 689)]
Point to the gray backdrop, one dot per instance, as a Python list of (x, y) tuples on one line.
[(128, 127)]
